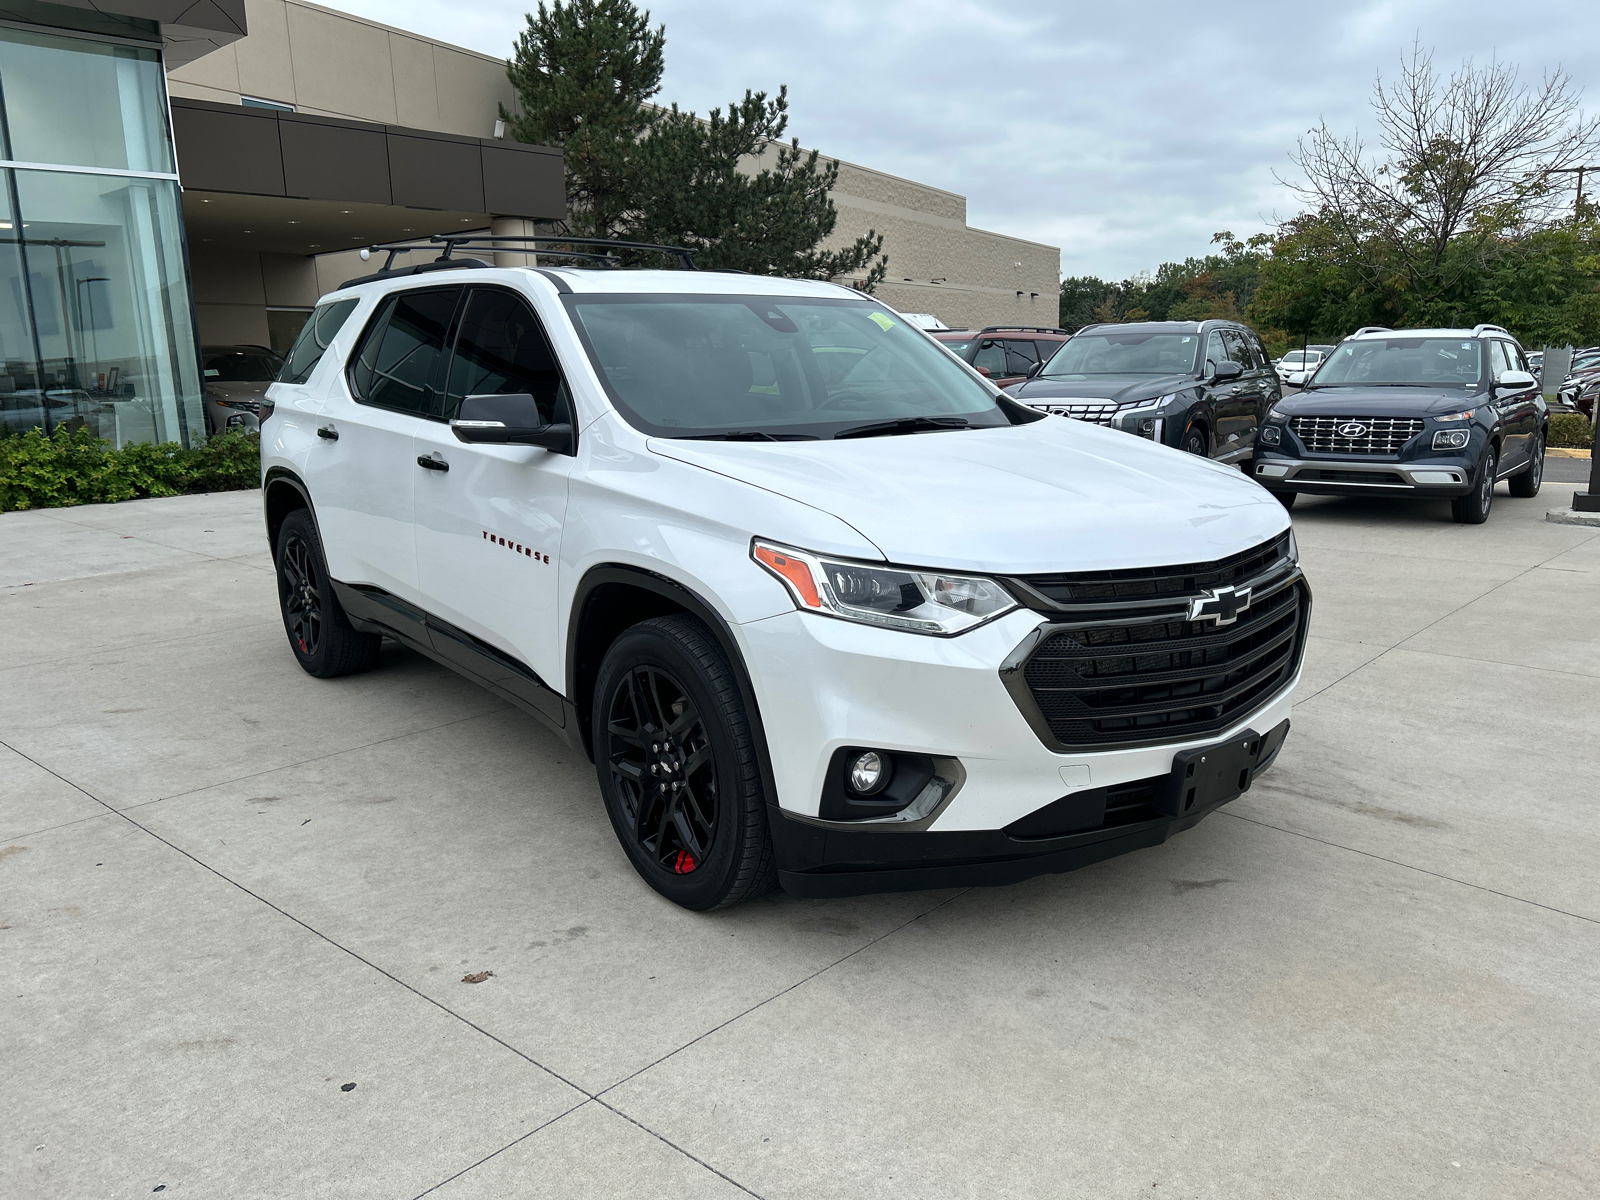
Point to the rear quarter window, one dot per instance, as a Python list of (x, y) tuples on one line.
[(315, 336)]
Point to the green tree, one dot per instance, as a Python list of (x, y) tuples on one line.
[(583, 72), (727, 186), (731, 188), (1083, 298)]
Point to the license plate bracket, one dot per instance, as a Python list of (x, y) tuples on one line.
[(1209, 775)]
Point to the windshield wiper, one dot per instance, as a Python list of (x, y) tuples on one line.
[(746, 435), (901, 425)]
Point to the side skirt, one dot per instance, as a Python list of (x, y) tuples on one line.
[(374, 610)]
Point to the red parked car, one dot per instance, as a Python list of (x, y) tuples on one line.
[(1007, 354)]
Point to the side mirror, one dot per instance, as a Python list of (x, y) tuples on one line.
[(1225, 370), (1514, 381), (1034, 369), (512, 419)]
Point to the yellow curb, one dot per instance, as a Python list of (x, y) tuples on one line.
[(1566, 452)]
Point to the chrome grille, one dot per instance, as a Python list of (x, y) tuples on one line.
[(1371, 436), (1097, 412)]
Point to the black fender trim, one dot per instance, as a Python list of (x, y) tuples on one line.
[(697, 606), (282, 475)]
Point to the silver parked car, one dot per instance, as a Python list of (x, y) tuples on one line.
[(236, 379)]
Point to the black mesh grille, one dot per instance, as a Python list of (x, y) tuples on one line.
[(1158, 583), (1164, 680), (1354, 477)]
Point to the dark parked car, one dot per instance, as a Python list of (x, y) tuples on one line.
[(1007, 354), (1201, 386), (1414, 412), (236, 379)]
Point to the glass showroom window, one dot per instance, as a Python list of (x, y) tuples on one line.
[(98, 331)]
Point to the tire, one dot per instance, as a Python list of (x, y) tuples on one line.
[(678, 767), (1287, 499), (320, 634), (1525, 483), (1195, 442), (1473, 508)]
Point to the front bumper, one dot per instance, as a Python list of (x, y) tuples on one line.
[(824, 684), (1437, 475)]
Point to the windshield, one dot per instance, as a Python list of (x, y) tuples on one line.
[(1401, 361), (707, 366), (1129, 353), (243, 366)]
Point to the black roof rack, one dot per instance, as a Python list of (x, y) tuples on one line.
[(594, 252), (1017, 329)]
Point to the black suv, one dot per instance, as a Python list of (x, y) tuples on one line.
[(1202, 386), (1414, 412)]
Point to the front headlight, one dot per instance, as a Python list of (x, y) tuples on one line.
[(1451, 439), (931, 602), (1271, 435)]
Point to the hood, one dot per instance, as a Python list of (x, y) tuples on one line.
[(1376, 402), (1100, 387), (1052, 495)]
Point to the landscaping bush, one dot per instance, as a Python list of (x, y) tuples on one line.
[(76, 467), (1571, 429)]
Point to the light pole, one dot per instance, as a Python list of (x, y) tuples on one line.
[(1577, 205)]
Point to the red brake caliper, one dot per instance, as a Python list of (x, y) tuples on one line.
[(684, 863)]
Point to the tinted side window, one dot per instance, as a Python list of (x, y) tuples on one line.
[(1504, 358), (314, 337), (1021, 357), (501, 349), (991, 356), (396, 365), (1258, 351), (1237, 349), (1214, 349)]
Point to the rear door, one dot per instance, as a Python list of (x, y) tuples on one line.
[(363, 472), (488, 529)]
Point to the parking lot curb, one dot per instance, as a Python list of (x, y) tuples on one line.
[(1568, 516)]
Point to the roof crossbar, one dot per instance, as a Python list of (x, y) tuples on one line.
[(593, 252)]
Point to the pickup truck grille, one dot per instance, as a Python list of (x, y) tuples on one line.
[(1096, 412), (1143, 678), (1377, 436)]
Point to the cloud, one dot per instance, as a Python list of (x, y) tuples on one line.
[(1126, 134)]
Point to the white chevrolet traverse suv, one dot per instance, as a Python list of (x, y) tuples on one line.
[(823, 607)]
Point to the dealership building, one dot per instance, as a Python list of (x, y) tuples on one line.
[(181, 175)]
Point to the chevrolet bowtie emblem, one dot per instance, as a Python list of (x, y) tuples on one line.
[(1222, 606)]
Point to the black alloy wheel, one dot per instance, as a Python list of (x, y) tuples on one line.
[(1194, 441), (661, 762), (677, 765), (321, 636), (1525, 483), (1473, 508)]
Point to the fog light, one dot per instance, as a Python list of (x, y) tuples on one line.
[(870, 773)]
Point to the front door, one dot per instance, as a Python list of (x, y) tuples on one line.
[(488, 529), (362, 472), (1239, 405), (1519, 412)]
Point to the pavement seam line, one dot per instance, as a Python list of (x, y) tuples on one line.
[(1310, 837), (669, 1142), (440, 1005), (517, 1141), (777, 995), (1443, 617), (228, 782)]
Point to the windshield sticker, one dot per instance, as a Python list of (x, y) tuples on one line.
[(881, 320)]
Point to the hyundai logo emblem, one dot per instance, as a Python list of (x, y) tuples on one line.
[(1352, 429)]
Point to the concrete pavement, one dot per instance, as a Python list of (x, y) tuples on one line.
[(228, 891)]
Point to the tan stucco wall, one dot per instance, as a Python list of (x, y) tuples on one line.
[(336, 65)]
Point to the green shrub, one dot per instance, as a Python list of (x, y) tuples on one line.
[(76, 467), (1571, 429)]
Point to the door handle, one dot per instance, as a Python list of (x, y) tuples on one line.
[(329, 432), (432, 464)]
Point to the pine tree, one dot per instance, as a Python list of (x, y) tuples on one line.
[(727, 186)]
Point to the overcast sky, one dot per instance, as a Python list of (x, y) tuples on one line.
[(1125, 133)]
